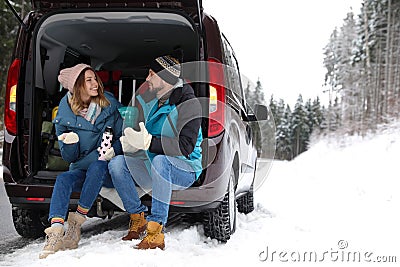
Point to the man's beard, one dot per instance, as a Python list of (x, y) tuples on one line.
[(156, 89), (164, 90)]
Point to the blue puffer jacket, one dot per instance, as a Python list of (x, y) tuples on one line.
[(175, 126), (83, 153)]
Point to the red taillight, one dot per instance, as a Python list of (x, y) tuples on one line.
[(217, 98), (10, 114), (40, 199), (177, 203)]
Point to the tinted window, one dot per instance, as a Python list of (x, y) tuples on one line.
[(233, 76)]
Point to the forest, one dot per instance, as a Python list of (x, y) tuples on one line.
[(362, 62)]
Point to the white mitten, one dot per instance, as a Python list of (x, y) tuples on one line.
[(109, 154), (141, 139), (69, 138), (126, 147)]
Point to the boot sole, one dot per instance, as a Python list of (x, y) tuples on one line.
[(142, 234), (43, 256), (161, 246), (68, 248)]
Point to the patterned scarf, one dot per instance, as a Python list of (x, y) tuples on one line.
[(90, 113)]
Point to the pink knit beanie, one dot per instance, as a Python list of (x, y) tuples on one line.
[(68, 76)]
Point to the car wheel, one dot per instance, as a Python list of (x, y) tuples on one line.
[(221, 222), (30, 223), (245, 203)]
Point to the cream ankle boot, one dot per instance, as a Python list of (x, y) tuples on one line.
[(54, 241), (73, 234)]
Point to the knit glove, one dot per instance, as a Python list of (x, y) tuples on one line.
[(138, 139), (69, 138), (109, 154), (126, 147)]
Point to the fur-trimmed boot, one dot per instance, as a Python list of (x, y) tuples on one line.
[(73, 234), (54, 241), (154, 237), (137, 227)]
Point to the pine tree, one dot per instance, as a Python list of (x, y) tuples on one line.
[(249, 94), (284, 142), (317, 114), (259, 94), (274, 110), (300, 127)]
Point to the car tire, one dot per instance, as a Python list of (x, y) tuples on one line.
[(30, 223), (220, 223), (245, 203)]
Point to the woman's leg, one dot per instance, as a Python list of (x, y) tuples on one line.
[(65, 183), (96, 175)]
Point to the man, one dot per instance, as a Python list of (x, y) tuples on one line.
[(169, 136)]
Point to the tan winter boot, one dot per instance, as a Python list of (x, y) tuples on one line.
[(54, 241), (154, 237), (73, 234), (137, 227)]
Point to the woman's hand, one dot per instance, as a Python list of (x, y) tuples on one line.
[(109, 154), (69, 138)]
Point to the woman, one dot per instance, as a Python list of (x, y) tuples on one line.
[(83, 114)]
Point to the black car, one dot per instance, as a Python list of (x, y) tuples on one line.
[(119, 39)]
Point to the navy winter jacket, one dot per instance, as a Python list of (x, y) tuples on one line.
[(83, 153)]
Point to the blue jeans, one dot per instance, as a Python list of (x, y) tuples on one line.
[(166, 174), (87, 182)]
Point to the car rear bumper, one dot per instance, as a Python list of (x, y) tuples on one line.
[(193, 199)]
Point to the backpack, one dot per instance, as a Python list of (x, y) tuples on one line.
[(52, 160)]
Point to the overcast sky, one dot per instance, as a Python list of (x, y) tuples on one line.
[(281, 42)]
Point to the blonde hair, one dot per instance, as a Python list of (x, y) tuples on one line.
[(76, 102)]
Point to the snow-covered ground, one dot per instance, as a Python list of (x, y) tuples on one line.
[(336, 204)]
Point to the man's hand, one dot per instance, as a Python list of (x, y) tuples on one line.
[(126, 147), (69, 138), (138, 139)]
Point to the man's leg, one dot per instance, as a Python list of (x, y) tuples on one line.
[(124, 183), (126, 188), (168, 173)]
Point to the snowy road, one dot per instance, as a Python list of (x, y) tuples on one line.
[(335, 205)]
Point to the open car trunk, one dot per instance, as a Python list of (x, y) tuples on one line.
[(119, 44)]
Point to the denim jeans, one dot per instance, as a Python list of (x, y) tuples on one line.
[(87, 182), (166, 174)]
